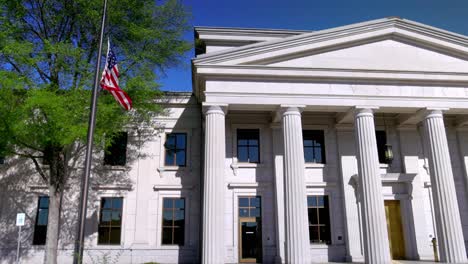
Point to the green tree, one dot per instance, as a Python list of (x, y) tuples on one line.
[(47, 54)]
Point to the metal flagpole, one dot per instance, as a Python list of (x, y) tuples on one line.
[(79, 242)]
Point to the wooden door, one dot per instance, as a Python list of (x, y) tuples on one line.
[(395, 229)]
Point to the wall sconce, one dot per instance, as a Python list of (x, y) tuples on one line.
[(388, 153)]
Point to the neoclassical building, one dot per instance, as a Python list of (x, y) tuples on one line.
[(347, 144)]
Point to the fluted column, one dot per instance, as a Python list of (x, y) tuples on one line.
[(447, 215), (376, 245), (213, 186), (297, 233)]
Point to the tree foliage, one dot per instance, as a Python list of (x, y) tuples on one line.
[(47, 54)]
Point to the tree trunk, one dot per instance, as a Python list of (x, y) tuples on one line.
[(55, 199), (55, 157)]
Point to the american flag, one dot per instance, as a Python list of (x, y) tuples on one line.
[(110, 80)]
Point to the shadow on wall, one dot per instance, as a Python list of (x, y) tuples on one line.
[(20, 187)]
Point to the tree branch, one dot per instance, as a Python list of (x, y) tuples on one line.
[(39, 169)]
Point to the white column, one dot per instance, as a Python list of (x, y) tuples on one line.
[(447, 215), (297, 231), (376, 245), (279, 191), (213, 186)]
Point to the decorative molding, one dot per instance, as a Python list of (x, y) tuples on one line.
[(159, 187), (115, 187)]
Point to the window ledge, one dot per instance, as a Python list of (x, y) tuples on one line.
[(319, 246), (172, 168), (109, 246), (315, 165), (172, 247), (115, 168), (383, 165), (248, 165)]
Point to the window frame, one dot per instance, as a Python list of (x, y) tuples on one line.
[(248, 146), (326, 204), (173, 209), (110, 226), (108, 160), (313, 147), (185, 149), (35, 242)]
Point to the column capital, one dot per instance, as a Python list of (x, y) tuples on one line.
[(210, 108), (364, 110), (434, 112), (287, 110)]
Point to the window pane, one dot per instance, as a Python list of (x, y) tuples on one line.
[(170, 141), (242, 154), (170, 157), (40, 235), (243, 212), (167, 236), (320, 201), (116, 218), (313, 233), (103, 235), (311, 201), (313, 217), (180, 203), (117, 203), (116, 153), (307, 143), (106, 203), (255, 212), (253, 154), (253, 142), (323, 214), (308, 155), (181, 138), (324, 234), (168, 203), (180, 156), (242, 142), (178, 215), (179, 236), (255, 202), (243, 202), (42, 216), (115, 236), (44, 202), (167, 218), (318, 155), (106, 217)]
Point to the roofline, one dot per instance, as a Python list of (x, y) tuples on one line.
[(388, 21), (249, 30)]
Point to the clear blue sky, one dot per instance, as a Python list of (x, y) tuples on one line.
[(450, 15)]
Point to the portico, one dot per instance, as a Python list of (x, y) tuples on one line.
[(390, 75)]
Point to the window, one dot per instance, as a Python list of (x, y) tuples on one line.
[(314, 146), (250, 207), (173, 221), (116, 153), (381, 137), (110, 221), (40, 226), (319, 219), (248, 145), (176, 149)]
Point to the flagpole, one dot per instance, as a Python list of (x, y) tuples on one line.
[(79, 242)]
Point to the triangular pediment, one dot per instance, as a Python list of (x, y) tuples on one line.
[(387, 54), (387, 44)]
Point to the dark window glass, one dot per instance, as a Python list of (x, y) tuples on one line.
[(40, 226), (176, 149), (250, 207), (116, 153), (248, 145), (381, 137), (173, 221), (314, 146), (110, 221), (319, 219)]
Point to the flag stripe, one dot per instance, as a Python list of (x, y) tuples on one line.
[(110, 81)]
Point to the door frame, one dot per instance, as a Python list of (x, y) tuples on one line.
[(247, 220)]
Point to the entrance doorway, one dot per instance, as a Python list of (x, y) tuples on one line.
[(250, 230), (395, 229)]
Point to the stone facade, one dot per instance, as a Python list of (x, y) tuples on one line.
[(393, 75)]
